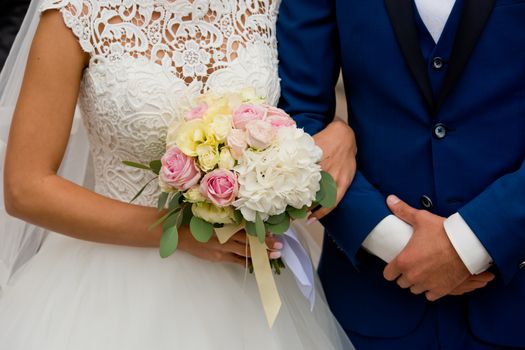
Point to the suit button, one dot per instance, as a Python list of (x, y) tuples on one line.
[(426, 202), (522, 265), (440, 131), (438, 63)]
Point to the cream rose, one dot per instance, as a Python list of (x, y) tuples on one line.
[(213, 214), (208, 156), (260, 134)]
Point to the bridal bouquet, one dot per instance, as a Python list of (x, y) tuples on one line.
[(237, 163)]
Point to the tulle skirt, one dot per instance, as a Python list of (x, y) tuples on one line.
[(76, 295)]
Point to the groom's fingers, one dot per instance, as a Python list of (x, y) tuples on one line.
[(403, 282), (402, 210), (391, 271)]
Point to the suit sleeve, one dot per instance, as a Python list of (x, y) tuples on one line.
[(309, 68), (497, 217)]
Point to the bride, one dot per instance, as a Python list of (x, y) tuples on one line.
[(98, 282)]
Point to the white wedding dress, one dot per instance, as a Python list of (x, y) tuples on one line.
[(149, 60)]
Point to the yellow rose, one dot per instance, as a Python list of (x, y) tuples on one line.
[(226, 160), (188, 136), (219, 127), (208, 155), (212, 214), (194, 195)]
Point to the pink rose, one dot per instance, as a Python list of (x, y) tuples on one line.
[(278, 118), (220, 187), (197, 112), (260, 134), (245, 114), (236, 140), (178, 170)]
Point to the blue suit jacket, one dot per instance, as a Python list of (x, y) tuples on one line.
[(476, 169)]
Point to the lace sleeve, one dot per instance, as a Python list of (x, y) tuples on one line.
[(78, 15)]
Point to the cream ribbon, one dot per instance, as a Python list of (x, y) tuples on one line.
[(261, 267)]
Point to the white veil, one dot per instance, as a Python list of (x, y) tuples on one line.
[(19, 240)]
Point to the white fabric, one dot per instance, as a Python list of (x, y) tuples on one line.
[(434, 14), (146, 66), (467, 245), (388, 238), (19, 241), (392, 234)]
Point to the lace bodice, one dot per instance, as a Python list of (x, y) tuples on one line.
[(150, 59)]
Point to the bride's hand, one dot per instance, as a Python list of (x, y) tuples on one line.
[(338, 143), (236, 250)]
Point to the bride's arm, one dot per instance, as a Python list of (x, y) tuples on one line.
[(37, 142)]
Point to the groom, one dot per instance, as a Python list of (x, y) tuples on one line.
[(436, 96)]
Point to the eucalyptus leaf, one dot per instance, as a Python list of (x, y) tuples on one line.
[(155, 166), (162, 219), (250, 228), (171, 220), (201, 230), (136, 165), (187, 214), (297, 213), (174, 201), (277, 219), (237, 216), (163, 198), (319, 196), (260, 230), (141, 190), (330, 188), (169, 241), (279, 228)]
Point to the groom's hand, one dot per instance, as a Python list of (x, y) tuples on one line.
[(337, 141), (429, 263)]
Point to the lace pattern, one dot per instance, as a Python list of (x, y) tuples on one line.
[(150, 59)]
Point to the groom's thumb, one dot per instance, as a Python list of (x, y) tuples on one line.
[(401, 209)]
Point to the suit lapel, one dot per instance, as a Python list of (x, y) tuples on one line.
[(473, 19), (401, 14)]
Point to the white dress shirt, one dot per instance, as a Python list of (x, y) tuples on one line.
[(391, 235)]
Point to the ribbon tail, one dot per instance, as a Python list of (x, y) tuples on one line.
[(265, 280), (298, 261)]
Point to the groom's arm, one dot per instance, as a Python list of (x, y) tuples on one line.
[(497, 217), (309, 69)]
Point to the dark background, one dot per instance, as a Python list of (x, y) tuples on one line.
[(12, 14)]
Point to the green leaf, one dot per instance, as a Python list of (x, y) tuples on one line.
[(187, 214), (175, 201), (329, 187), (319, 196), (200, 229), (297, 213), (277, 219), (237, 217), (155, 166), (279, 228), (162, 219), (141, 190), (136, 165), (163, 198), (250, 228), (260, 230), (169, 241), (171, 220)]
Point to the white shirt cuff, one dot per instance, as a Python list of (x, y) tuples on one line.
[(388, 238), (467, 245)]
